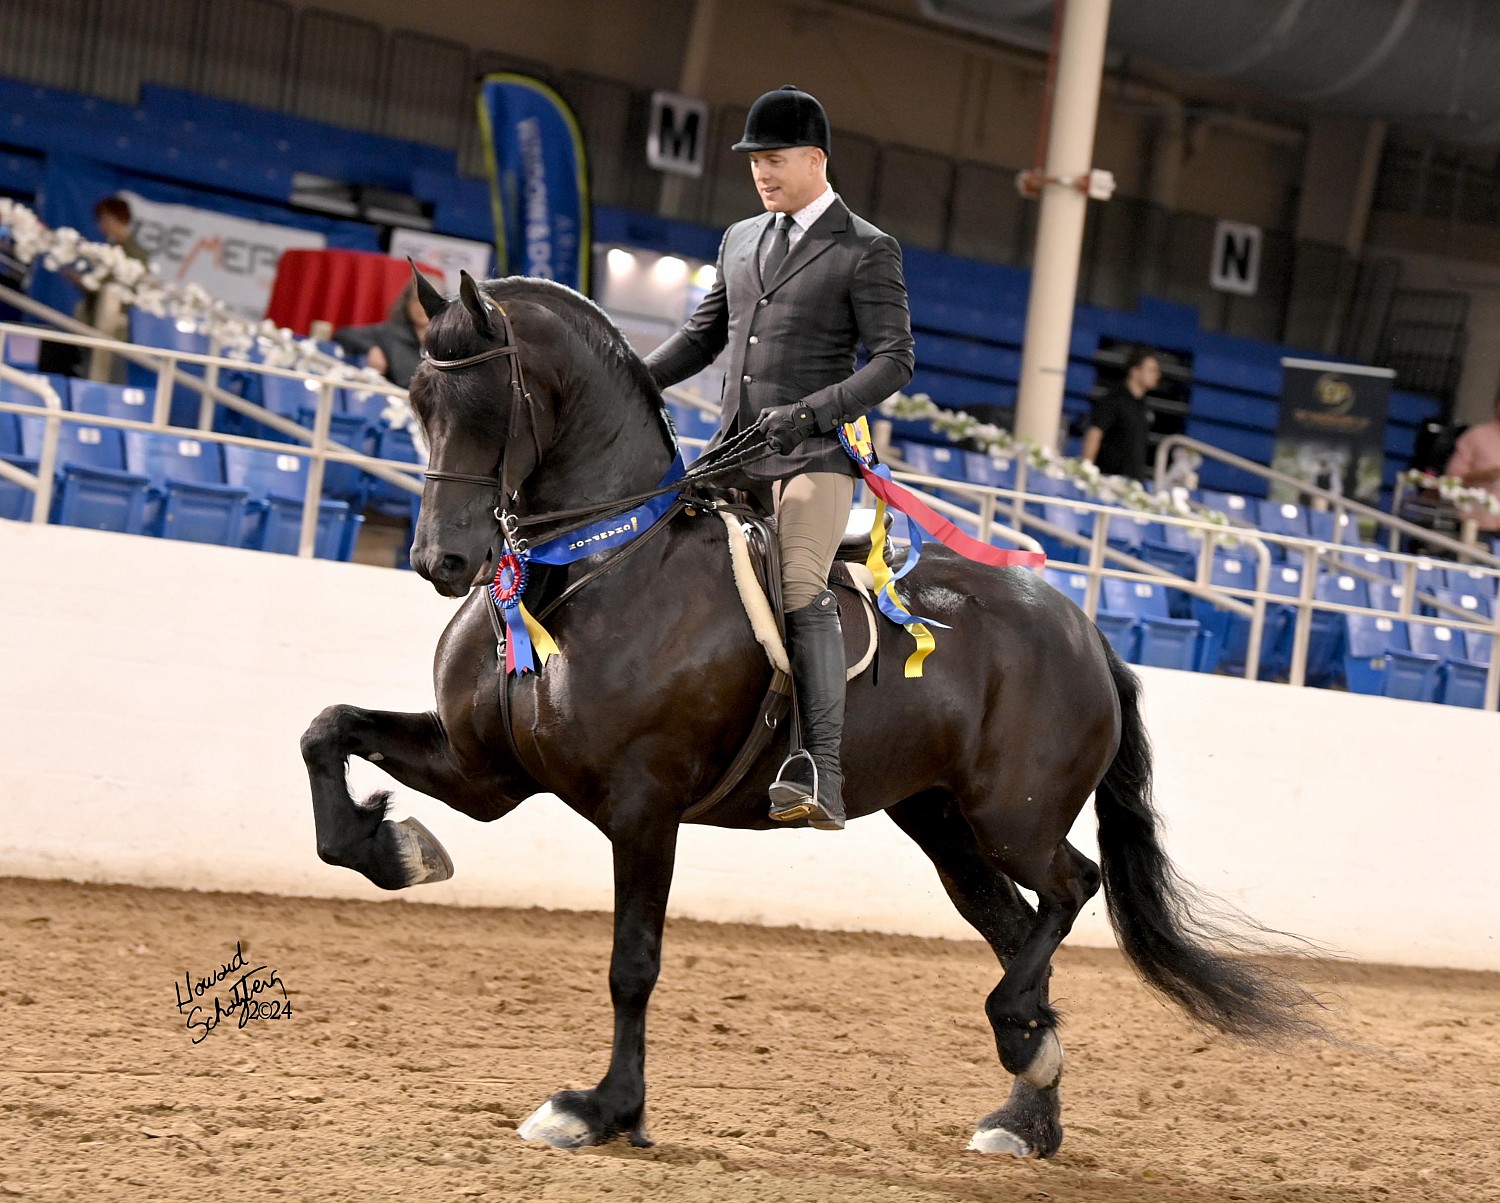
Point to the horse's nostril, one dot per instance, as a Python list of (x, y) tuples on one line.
[(451, 565)]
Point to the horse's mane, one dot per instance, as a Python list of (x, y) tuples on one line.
[(593, 326)]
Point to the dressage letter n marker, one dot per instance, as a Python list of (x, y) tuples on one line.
[(1236, 265)]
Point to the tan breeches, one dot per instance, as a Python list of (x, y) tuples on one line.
[(812, 511)]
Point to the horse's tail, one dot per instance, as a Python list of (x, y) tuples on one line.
[(1164, 925)]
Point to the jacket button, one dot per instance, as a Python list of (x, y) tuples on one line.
[(763, 302), (754, 339), (747, 379)]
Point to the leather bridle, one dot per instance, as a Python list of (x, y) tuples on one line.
[(522, 454)]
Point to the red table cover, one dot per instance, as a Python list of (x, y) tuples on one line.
[(347, 288)]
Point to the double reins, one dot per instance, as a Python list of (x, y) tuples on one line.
[(524, 450)]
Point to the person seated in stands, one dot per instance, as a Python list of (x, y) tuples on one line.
[(1476, 461), (392, 347), (1115, 438), (115, 222)]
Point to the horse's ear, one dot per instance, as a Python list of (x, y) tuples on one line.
[(478, 308), (431, 300)]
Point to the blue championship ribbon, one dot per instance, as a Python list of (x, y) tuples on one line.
[(527, 641)]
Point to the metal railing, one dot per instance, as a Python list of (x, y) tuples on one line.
[(1311, 557), (1341, 506), (319, 449)]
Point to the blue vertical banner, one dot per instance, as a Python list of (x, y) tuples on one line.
[(539, 183)]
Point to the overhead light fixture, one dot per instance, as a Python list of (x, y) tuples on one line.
[(620, 261)]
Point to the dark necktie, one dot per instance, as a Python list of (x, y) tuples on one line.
[(780, 244)]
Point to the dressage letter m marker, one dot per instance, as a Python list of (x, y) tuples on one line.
[(676, 138)]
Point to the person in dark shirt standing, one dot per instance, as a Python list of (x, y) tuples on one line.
[(1115, 439)]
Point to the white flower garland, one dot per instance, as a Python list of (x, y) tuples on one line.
[(1111, 490), (1453, 490), (25, 238)]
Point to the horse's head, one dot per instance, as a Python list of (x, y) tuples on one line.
[(463, 396)]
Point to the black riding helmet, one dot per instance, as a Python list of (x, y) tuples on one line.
[(786, 117)]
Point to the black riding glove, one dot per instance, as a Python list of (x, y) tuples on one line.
[(786, 426)]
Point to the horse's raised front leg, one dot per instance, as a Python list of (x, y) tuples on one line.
[(645, 845), (414, 750)]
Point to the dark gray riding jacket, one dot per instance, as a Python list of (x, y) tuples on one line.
[(793, 338)]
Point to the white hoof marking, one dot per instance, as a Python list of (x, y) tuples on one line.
[(554, 1127), (998, 1140), (1046, 1067)]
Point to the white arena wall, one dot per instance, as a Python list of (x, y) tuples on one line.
[(1365, 824)]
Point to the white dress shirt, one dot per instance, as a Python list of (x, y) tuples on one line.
[(802, 221)]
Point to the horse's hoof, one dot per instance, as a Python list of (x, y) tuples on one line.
[(999, 1140), (422, 856), (1028, 1125), (553, 1125)]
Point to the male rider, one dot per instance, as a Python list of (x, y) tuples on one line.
[(799, 289)]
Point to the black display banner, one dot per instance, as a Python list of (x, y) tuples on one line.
[(1332, 430)]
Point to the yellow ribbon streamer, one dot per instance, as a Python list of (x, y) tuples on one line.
[(542, 644), (884, 584)]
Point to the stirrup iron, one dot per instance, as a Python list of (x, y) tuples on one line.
[(790, 799)]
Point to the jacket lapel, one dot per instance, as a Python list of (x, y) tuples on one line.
[(751, 247), (835, 220)]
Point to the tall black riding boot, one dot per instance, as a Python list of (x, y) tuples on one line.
[(815, 643)]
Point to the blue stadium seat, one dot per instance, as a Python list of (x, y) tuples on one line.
[(1366, 556), (1120, 628), (93, 488), (1369, 640), (1327, 527), (1325, 645), (1282, 518), (1475, 607), (372, 406), (345, 481), (276, 484), (1065, 518), (111, 400), (1165, 642), (1236, 506), (1074, 584), (1470, 581), (386, 498), (1460, 680), (170, 334), (188, 498), (291, 398), (1411, 675), (989, 470), (1127, 531)]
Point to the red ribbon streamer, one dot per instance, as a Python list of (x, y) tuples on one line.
[(944, 531)]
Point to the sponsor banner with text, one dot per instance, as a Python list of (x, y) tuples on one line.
[(233, 259), (538, 180)]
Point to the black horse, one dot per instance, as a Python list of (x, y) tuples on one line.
[(985, 761)]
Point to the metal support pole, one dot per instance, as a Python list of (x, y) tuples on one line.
[(211, 379), (1095, 584), (307, 540), (166, 381), (1059, 235), (1302, 633)]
